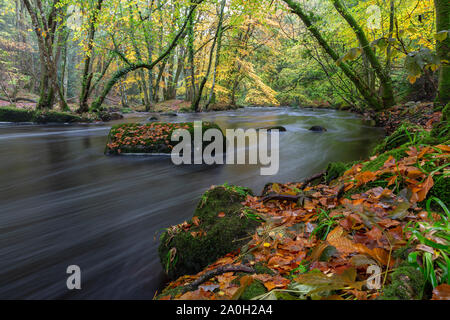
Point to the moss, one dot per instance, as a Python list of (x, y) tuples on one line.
[(13, 114), (407, 283), (255, 289), (218, 237), (446, 113), (262, 269), (440, 132), (173, 292), (335, 170)]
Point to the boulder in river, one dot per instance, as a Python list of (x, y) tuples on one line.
[(317, 129), (153, 118), (169, 114), (219, 226), (269, 129)]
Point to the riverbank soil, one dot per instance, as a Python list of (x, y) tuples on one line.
[(375, 229)]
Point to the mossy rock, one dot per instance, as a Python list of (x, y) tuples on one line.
[(13, 114), (149, 143), (407, 283), (222, 229), (55, 117), (335, 170)]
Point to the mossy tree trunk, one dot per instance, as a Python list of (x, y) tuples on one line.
[(371, 99), (443, 49), (387, 92)]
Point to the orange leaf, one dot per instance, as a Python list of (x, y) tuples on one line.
[(196, 221), (424, 188)]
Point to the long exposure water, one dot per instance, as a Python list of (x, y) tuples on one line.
[(63, 202)]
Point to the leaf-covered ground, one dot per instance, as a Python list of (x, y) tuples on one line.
[(385, 219)]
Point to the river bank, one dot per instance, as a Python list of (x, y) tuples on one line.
[(371, 229)]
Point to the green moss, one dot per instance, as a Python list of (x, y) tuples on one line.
[(255, 289), (220, 235), (407, 283), (335, 170), (13, 114)]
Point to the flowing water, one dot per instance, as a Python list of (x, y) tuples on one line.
[(63, 202)]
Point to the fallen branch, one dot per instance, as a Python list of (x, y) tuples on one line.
[(17, 99), (281, 197), (215, 272), (314, 177)]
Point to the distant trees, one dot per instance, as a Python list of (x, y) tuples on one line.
[(47, 18), (211, 52)]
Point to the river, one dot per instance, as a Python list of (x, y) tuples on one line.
[(62, 202)]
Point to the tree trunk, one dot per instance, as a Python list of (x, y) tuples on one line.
[(212, 95), (196, 105), (87, 74), (443, 50)]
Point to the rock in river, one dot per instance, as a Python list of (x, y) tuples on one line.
[(317, 129)]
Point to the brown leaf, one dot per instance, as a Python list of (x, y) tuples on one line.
[(441, 292)]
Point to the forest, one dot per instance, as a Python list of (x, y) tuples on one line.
[(83, 56), (355, 95)]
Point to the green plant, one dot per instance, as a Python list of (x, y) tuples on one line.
[(325, 224), (433, 235)]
